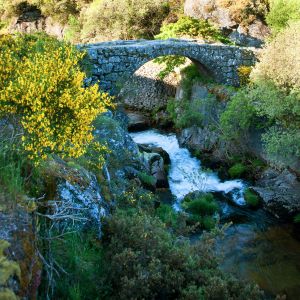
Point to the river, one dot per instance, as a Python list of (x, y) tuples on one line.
[(257, 247)]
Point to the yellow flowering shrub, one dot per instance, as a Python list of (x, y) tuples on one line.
[(244, 74), (42, 83)]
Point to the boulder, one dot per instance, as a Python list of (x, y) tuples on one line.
[(156, 159), (77, 203), (208, 10), (157, 170), (137, 121), (17, 232), (279, 191), (252, 35), (199, 139), (153, 149)]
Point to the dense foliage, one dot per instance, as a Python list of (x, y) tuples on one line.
[(188, 27), (86, 21), (273, 98), (122, 19), (139, 258), (202, 209), (42, 84), (282, 13)]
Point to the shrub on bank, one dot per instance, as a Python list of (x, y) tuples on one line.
[(41, 83), (148, 262), (245, 11)]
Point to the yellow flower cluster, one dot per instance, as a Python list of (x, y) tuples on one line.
[(42, 83)]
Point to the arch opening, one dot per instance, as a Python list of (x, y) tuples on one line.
[(154, 83)]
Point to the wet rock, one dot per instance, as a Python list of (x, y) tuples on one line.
[(123, 150), (157, 171), (279, 191), (156, 160), (138, 121), (153, 149)]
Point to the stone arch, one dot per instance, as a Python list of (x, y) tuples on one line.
[(114, 61)]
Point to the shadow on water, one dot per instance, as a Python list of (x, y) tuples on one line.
[(258, 248)]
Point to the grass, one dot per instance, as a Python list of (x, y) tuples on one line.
[(11, 165)]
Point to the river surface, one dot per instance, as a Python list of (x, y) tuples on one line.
[(256, 247)]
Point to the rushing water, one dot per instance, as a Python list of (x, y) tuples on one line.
[(256, 247), (185, 174)]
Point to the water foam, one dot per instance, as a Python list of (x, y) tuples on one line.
[(186, 174)]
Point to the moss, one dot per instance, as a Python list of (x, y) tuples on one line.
[(251, 198), (8, 269), (237, 170)]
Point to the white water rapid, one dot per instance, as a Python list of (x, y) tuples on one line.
[(185, 173)]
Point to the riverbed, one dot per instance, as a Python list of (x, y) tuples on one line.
[(256, 247)]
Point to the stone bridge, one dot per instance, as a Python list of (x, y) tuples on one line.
[(114, 62)]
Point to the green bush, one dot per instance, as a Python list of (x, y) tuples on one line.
[(297, 218), (208, 222), (202, 205), (251, 198), (184, 113), (171, 62), (167, 215), (237, 170), (189, 27), (238, 116), (148, 262), (277, 94), (11, 165), (282, 13), (201, 208), (186, 27)]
